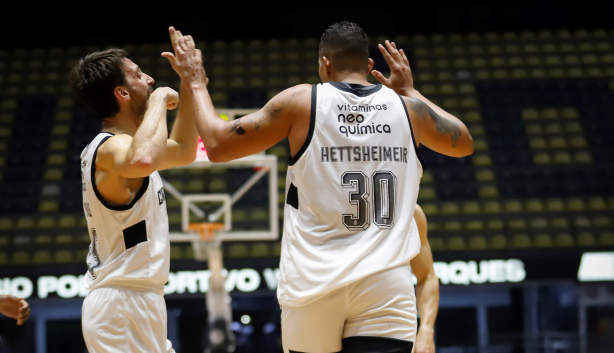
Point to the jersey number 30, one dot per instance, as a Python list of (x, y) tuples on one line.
[(384, 190)]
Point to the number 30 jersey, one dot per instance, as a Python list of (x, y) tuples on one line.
[(351, 191)]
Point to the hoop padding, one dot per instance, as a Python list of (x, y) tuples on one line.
[(206, 230)]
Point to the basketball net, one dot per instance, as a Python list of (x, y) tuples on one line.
[(206, 230), (221, 338)]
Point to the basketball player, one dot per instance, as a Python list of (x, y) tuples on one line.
[(124, 202), (15, 308), (351, 188), (427, 287)]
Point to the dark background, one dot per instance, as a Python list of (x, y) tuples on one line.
[(119, 23)]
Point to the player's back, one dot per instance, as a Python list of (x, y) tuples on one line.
[(349, 191)]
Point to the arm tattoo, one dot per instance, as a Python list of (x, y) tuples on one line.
[(443, 125), (271, 112), (236, 127)]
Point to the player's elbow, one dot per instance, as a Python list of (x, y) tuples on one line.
[(139, 167), (216, 154), (186, 157), (466, 148)]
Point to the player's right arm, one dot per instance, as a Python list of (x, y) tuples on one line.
[(252, 133), (432, 126), (136, 157)]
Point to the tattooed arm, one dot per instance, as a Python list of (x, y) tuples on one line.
[(432, 126), (285, 115), (438, 130)]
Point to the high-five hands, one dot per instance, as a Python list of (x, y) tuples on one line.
[(187, 61), (400, 80)]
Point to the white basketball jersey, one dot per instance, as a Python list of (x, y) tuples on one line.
[(129, 243), (351, 192)]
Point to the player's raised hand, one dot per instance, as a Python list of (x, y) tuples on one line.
[(172, 58), (400, 79), (187, 59)]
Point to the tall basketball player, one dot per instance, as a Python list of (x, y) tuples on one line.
[(124, 203), (427, 287), (351, 189)]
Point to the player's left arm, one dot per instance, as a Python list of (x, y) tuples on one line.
[(432, 126), (427, 288)]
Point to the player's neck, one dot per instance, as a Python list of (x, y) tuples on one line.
[(120, 124), (353, 77)]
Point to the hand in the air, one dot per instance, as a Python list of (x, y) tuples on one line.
[(400, 80), (187, 61)]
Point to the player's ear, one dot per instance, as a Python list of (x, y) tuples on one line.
[(324, 69), (369, 66), (121, 93)]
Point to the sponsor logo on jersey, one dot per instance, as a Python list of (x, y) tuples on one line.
[(161, 195), (354, 124), (86, 207)]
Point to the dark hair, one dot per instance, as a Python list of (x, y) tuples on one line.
[(346, 45), (95, 77)]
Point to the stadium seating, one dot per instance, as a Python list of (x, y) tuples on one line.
[(539, 105)]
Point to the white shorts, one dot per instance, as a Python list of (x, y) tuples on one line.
[(123, 320), (381, 305)]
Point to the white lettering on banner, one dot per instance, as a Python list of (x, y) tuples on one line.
[(244, 280), (187, 281), (515, 270), (458, 272), (21, 287), (248, 279), (497, 271), (46, 285), (478, 276), (271, 277), (493, 271), (67, 286)]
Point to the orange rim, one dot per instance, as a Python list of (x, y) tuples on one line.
[(206, 230)]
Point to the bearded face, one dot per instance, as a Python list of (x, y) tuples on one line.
[(138, 103), (140, 87)]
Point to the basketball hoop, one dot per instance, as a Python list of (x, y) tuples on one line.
[(206, 230)]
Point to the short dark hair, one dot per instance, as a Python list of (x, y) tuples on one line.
[(95, 77), (346, 45)]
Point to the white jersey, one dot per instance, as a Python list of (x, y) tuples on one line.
[(129, 243), (351, 191)]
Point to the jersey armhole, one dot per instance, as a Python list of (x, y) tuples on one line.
[(411, 129), (312, 122), (125, 207)]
